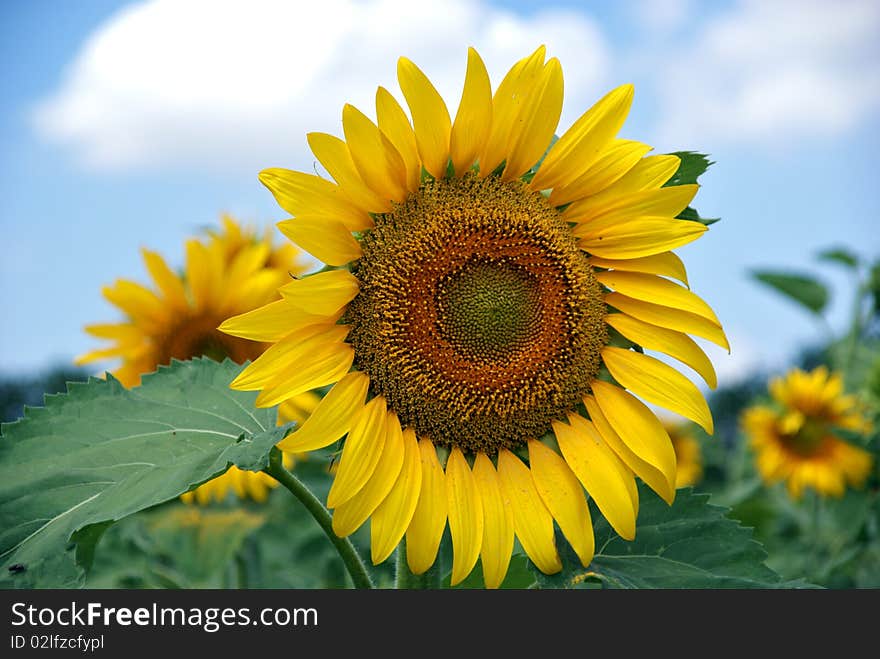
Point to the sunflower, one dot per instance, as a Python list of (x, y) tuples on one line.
[(227, 272), (796, 439), (478, 375)]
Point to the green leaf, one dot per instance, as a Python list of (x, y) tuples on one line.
[(803, 289), (692, 166), (177, 545), (840, 255), (691, 544), (691, 214), (874, 285), (101, 452)]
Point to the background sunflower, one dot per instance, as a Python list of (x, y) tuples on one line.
[(229, 271)]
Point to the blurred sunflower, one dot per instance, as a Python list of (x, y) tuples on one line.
[(795, 439), (464, 325), (227, 272), (688, 456)]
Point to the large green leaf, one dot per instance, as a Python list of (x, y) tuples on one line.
[(803, 289), (691, 544), (101, 452)]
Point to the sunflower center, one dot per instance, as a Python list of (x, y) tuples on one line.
[(808, 438), (478, 318), (488, 309), (199, 337)]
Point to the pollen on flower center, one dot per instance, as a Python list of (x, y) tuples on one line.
[(488, 309), (478, 318), (808, 438)]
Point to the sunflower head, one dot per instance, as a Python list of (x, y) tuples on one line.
[(484, 290), (797, 437), (227, 272)]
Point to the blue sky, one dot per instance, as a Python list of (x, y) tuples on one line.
[(133, 124)]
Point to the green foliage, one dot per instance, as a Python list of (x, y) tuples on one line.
[(841, 256), (16, 392), (692, 166), (102, 452), (691, 544), (175, 546), (803, 289)]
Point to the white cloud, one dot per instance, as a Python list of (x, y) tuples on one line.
[(773, 72), (236, 85), (661, 16)]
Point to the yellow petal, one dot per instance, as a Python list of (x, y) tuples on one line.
[(307, 194), (333, 153), (429, 519), (394, 123), (325, 364), (430, 117), (322, 294), (682, 321), (348, 516), (326, 239), (259, 288), (531, 519), (581, 145), (287, 353), (507, 104), (657, 446), (391, 519), (103, 353), (361, 452), (657, 290), (138, 303), (272, 322), (332, 418), (600, 471), (532, 133), (474, 118), (465, 516), (168, 282), (202, 270), (497, 546), (122, 332), (675, 344), (666, 263), (631, 239), (563, 495), (658, 383), (375, 157), (297, 410), (663, 202), (613, 163), (649, 173)]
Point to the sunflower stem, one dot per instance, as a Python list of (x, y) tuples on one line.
[(356, 567), (406, 580)]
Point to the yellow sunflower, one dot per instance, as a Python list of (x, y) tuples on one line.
[(463, 319), (795, 440), (688, 456), (228, 272)]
